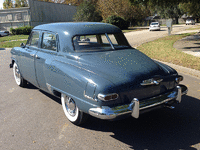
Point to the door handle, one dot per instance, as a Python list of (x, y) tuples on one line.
[(37, 57), (32, 55)]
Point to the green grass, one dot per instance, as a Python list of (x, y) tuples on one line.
[(11, 44), (12, 41), (13, 37), (162, 49)]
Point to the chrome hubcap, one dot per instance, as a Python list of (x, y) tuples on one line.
[(70, 106), (17, 74)]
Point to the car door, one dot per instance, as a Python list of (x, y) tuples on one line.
[(27, 59), (44, 57)]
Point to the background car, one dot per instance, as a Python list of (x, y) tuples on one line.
[(190, 21), (4, 33), (93, 70), (154, 26)]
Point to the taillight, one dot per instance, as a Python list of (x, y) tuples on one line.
[(107, 97)]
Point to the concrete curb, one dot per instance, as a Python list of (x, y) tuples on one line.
[(184, 70)]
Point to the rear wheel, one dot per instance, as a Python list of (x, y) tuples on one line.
[(17, 75), (71, 110)]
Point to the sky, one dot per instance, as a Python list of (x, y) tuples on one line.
[(1, 4)]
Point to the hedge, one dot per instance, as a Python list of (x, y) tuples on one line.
[(117, 21), (21, 30)]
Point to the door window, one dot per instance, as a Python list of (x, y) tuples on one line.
[(49, 41), (34, 39)]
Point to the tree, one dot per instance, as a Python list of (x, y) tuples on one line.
[(124, 9), (72, 2), (170, 11), (21, 3), (191, 9), (114, 7), (51, 1), (7, 4), (165, 8), (86, 11), (117, 21)]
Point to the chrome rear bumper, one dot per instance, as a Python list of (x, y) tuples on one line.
[(135, 107)]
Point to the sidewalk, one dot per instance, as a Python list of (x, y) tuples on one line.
[(189, 45)]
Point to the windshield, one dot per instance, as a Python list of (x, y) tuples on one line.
[(100, 42)]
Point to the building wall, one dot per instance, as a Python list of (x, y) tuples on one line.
[(14, 18), (45, 12), (37, 13)]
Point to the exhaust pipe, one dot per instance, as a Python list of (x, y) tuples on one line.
[(169, 106)]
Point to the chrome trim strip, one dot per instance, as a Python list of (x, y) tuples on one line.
[(49, 87), (151, 82), (91, 98)]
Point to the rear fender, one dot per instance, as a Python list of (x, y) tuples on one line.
[(80, 84)]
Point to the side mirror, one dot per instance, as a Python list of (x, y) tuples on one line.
[(22, 45)]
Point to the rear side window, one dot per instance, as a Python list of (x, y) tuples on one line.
[(49, 41), (33, 39)]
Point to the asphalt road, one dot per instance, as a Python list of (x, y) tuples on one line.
[(31, 119), (137, 38)]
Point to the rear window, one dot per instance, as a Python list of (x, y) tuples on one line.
[(154, 23), (100, 42)]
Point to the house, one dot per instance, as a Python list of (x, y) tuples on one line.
[(37, 13)]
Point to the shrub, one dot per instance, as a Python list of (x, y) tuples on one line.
[(117, 21), (21, 30)]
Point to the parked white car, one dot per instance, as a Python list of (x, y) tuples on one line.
[(4, 33), (190, 21), (154, 26)]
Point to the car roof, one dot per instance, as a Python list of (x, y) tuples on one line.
[(78, 28), (67, 30)]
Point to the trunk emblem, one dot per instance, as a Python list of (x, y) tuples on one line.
[(152, 81)]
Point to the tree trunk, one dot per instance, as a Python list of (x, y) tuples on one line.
[(176, 20)]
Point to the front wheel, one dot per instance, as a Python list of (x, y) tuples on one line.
[(71, 110), (17, 75)]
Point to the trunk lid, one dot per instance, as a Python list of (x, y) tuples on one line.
[(127, 69)]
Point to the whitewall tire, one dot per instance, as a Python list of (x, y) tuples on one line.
[(17, 75), (71, 110)]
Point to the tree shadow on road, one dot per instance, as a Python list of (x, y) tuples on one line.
[(30, 86), (56, 99), (160, 129)]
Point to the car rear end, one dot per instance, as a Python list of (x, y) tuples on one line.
[(190, 22), (154, 26)]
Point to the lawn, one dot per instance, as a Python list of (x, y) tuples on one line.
[(12, 41), (162, 49)]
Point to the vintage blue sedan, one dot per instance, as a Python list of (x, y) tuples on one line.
[(94, 71)]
